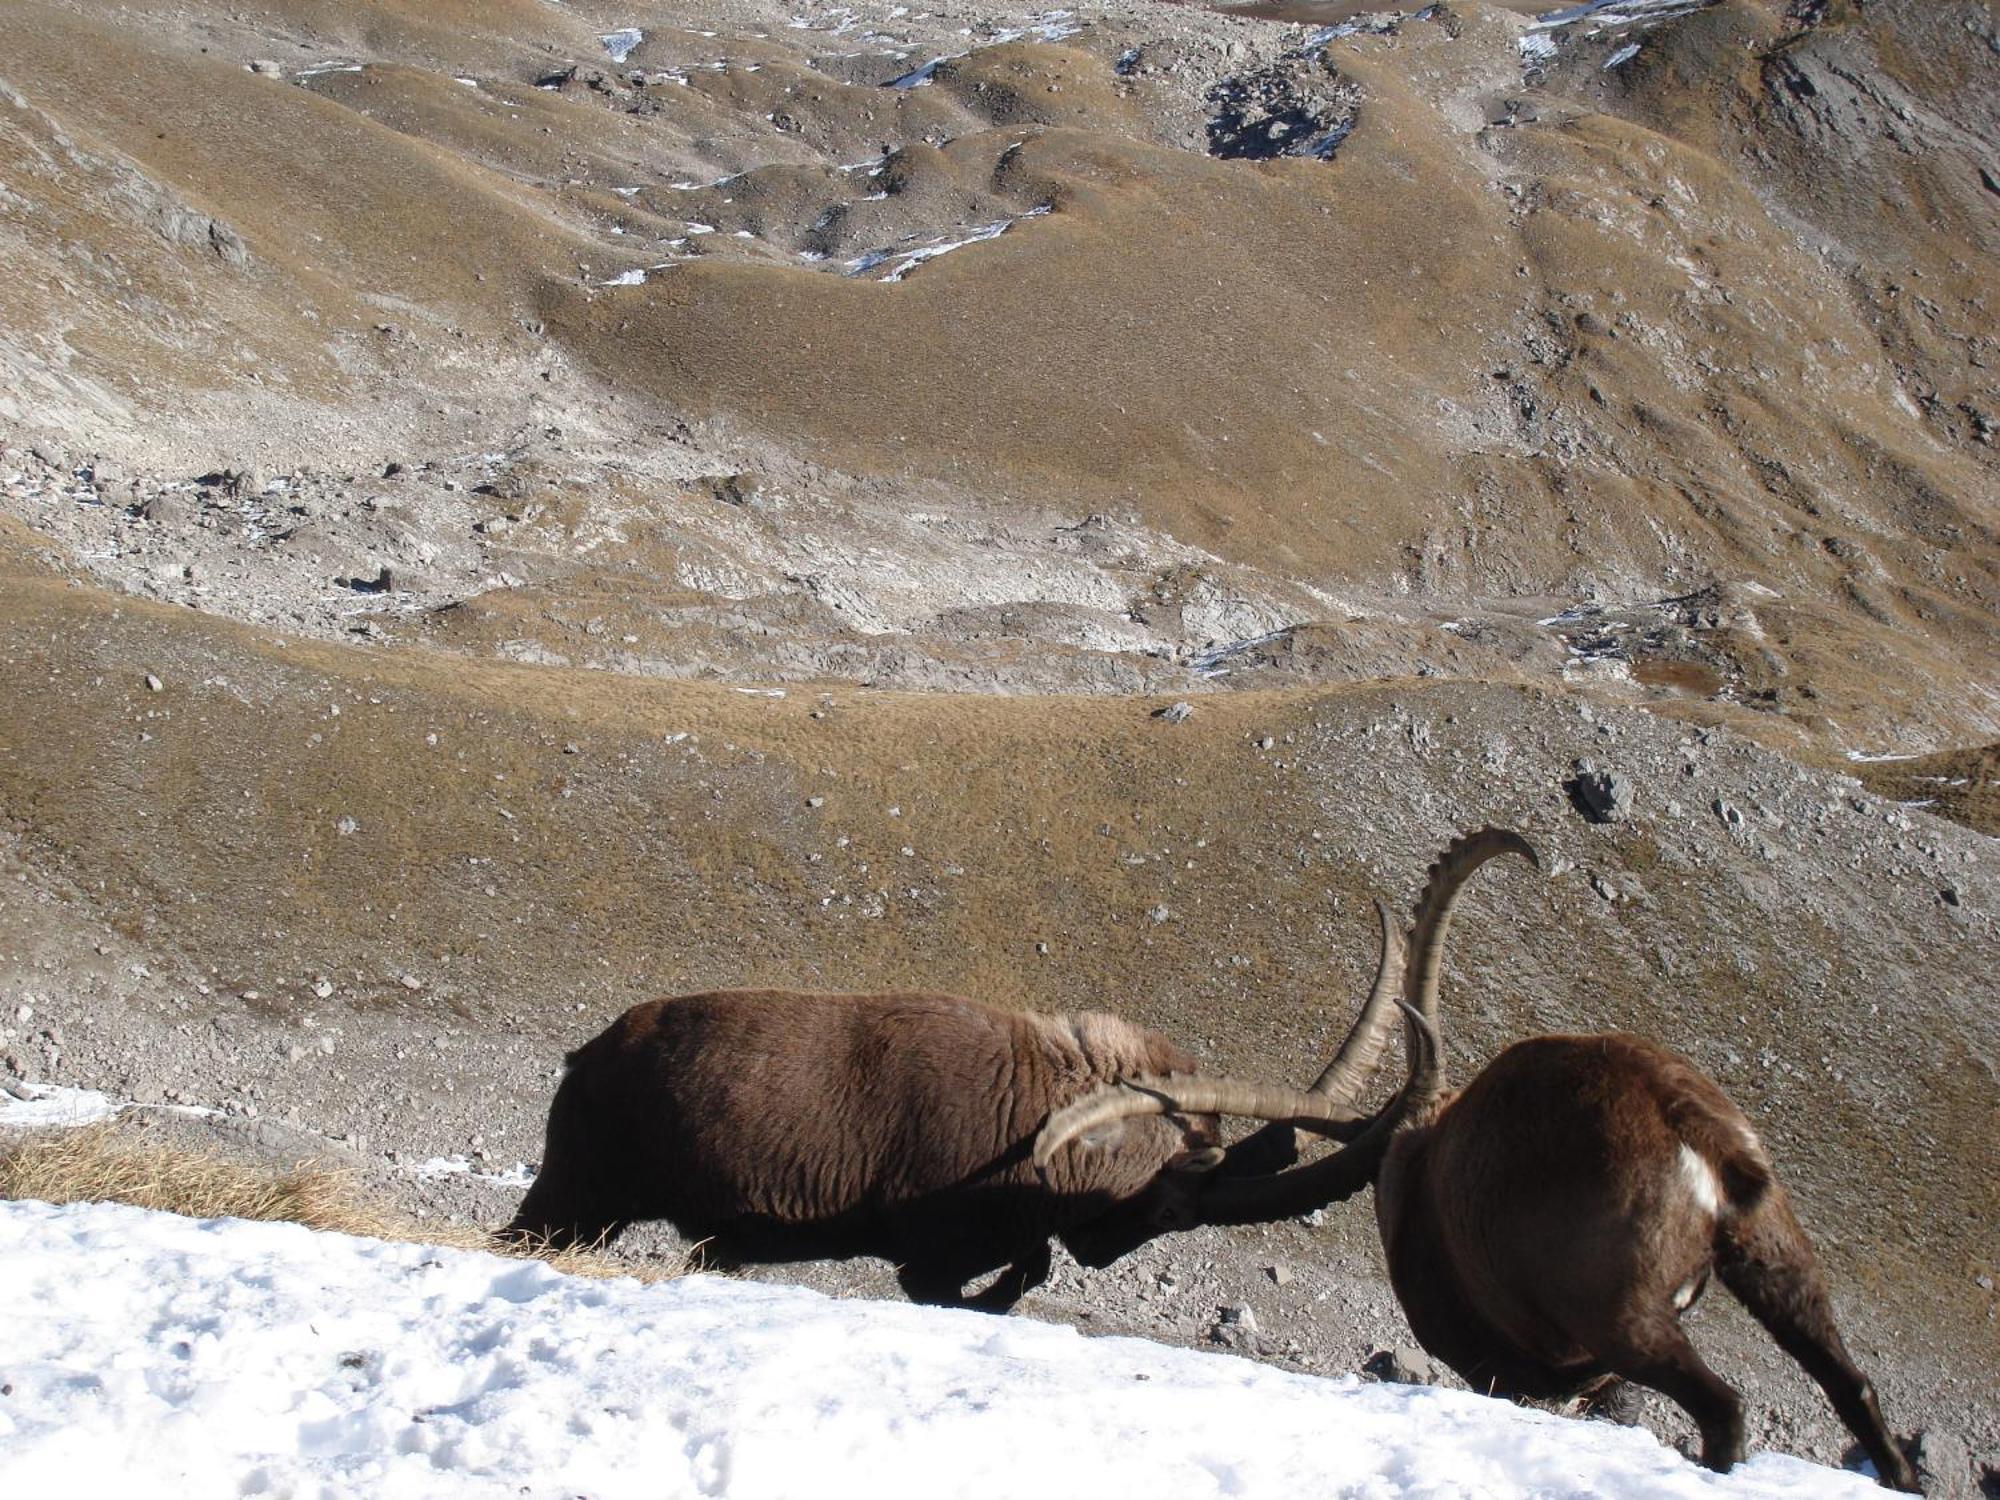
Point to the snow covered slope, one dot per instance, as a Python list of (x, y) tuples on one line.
[(153, 1355)]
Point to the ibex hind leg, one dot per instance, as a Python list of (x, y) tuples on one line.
[(1658, 1354), (1765, 1260)]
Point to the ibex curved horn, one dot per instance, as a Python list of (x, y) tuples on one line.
[(1432, 920), (1248, 1200), (1346, 1077)]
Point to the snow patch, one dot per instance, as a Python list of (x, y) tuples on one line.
[(517, 1176), (917, 77), (1047, 26), (620, 43), (1607, 14), (838, 20), (149, 1354), (45, 1107), (909, 260), (1597, 17), (1214, 660)]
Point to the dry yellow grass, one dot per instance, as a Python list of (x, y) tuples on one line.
[(97, 1165), (92, 1165)]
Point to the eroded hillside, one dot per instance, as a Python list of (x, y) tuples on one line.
[(1050, 351)]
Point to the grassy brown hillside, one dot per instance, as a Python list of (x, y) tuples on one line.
[(527, 849)]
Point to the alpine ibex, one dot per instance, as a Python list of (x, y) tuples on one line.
[(1546, 1227), (782, 1126)]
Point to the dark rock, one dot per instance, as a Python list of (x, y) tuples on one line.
[(1290, 108), (1602, 796), (382, 583), (1402, 1365), (1236, 1327)]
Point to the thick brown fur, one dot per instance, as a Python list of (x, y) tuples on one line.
[(1547, 1227), (779, 1125)]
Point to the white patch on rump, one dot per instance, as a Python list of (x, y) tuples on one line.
[(1701, 1180)]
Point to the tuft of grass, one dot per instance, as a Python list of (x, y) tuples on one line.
[(95, 1164)]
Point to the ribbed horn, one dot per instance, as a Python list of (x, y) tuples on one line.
[(1347, 1076), (1259, 1199), (1433, 915), (1183, 1096), (1339, 1176)]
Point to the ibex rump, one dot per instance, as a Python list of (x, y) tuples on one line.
[(1546, 1227)]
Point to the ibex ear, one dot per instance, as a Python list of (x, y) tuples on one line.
[(1207, 1159)]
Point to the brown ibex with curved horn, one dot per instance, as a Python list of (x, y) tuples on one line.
[(1546, 1227), (780, 1126)]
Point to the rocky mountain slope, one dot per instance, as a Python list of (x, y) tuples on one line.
[(508, 509)]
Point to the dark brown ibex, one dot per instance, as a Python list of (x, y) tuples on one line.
[(1546, 1227), (783, 1126)]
